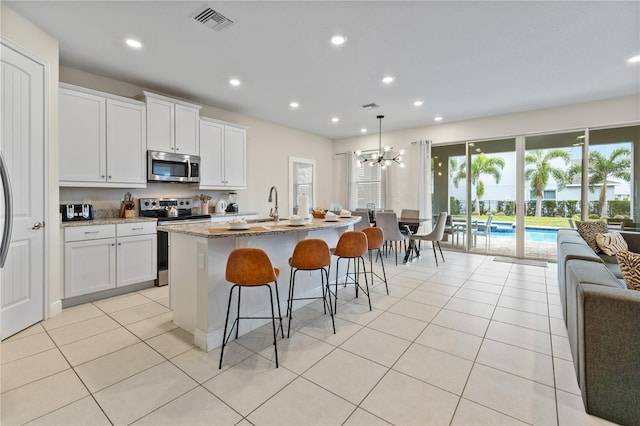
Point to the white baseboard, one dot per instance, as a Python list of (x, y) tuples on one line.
[(55, 308)]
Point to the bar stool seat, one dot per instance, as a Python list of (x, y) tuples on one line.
[(352, 245), (375, 241), (311, 255), (251, 267)]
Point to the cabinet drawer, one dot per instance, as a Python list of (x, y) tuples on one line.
[(90, 232), (138, 228)]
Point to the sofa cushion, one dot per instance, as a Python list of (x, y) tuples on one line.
[(611, 243), (589, 230), (630, 265)]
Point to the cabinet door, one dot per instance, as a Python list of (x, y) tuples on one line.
[(187, 132), (137, 259), (126, 142), (235, 159), (82, 145), (160, 125), (90, 266), (211, 155)]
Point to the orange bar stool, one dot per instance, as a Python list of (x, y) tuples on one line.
[(352, 245), (375, 241), (251, 267), (311, 255)]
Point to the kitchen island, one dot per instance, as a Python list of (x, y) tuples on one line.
[(198, 255)]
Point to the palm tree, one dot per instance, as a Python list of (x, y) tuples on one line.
[(618, 165), (542, 170), (480, 165)]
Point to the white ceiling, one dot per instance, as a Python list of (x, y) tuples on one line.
[(464, 59)]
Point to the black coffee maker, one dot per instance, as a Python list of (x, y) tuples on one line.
[(232, 207)]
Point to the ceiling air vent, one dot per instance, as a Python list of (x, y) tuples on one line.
[(371, 106), (212, 19)]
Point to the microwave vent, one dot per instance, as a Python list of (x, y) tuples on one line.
[(212, 19)]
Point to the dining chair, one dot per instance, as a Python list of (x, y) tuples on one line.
[(388, 222), (486, 233), (364, 223), (435, 236)]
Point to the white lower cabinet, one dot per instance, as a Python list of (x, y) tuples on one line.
[(103, 257), (137, 260)]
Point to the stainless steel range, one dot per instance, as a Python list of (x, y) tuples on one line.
[(169, 211)]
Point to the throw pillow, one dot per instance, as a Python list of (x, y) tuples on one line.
[(588, 232), (611, 243), (630, 265)]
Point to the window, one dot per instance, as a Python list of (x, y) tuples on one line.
[(302, 176), (547, 195), (369, 185)]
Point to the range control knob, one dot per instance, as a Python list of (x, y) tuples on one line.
[(181, 203), (146, 203), (153, 203)]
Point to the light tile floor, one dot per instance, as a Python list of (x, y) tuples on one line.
[(472, 341)]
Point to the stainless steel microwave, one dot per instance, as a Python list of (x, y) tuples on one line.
[(170, 167)]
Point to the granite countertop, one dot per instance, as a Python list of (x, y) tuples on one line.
[(108, 221), (217, 215), (219, 230)]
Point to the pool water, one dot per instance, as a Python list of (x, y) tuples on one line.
[(542, 235)]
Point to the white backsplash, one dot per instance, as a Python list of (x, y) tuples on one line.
[(110, 198)]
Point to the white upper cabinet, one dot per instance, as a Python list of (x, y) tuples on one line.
[(126, 147), (223, 159), (102, 139), (82, 138), (172, 125)]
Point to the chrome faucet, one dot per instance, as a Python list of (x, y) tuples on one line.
[(274, 210)]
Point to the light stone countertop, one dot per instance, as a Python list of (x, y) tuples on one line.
[(221, 230)]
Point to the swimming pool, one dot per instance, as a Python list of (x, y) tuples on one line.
[(542, 235)]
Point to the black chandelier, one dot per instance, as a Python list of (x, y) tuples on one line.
[(384, 157)]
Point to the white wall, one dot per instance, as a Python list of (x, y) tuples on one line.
[(268, 149), (23, 33), (604, 113)]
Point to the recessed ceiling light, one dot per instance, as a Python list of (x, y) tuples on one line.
[(234, 82), (133, 43), (294, 105), (388, 79), (438, 118), (363, 130), (335, 119), (338, 39), (418, 103), (634, 59)]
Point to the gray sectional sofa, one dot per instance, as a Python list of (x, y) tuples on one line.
[(603, 323)]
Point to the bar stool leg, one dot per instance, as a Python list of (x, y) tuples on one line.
[(275, 283), (384, 272), (366, 282), (273, 324), (324, 274), (238, 313), (226, 323)]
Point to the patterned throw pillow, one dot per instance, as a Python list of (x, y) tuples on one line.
[(611, 243), (630, 265), (588, 232)]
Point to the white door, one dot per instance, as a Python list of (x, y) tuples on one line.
[(90, 266), (22, 145), (137, 261), (160, 122)]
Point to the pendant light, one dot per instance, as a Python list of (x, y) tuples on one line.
[(385, 156)]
